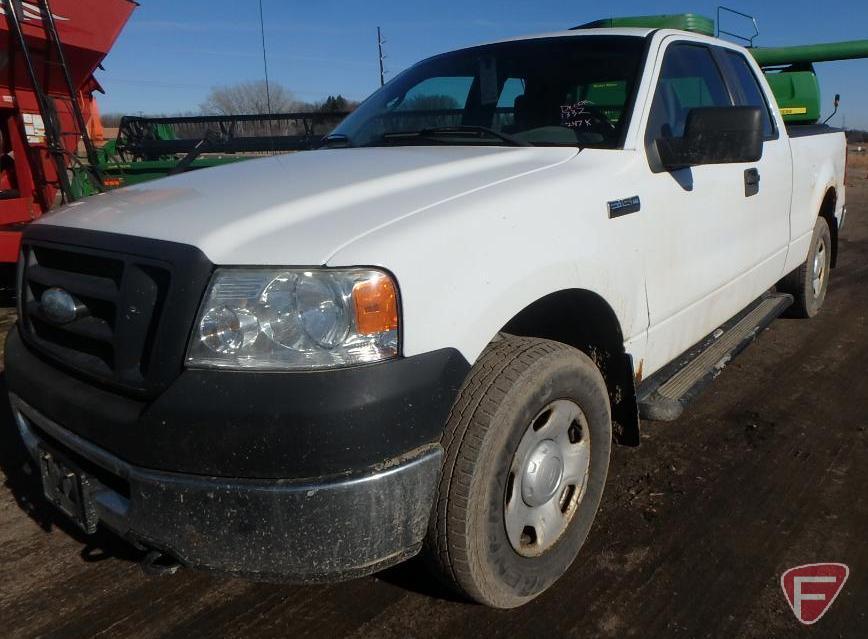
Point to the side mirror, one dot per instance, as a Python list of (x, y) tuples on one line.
[(715, 135)]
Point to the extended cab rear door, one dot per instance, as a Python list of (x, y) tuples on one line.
[(770, 199), (717, 237)]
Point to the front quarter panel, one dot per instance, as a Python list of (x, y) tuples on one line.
[(467, 266)]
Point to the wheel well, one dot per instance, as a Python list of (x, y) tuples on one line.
[(827, 211), (585, 321)]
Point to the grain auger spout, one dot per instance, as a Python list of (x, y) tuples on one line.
[(790, 73), (810, 53)]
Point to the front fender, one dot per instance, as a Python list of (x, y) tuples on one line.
[(466, 267)]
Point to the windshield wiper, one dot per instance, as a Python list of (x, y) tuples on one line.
[(335, 141), (449, 130)]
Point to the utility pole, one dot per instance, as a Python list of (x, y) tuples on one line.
[(265, 60), (380, 43)]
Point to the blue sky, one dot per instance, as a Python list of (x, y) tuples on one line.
[(171, 52)]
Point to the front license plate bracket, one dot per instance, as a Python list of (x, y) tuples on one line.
[(69, 489)]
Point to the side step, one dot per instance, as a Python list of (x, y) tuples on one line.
[(663, 396)]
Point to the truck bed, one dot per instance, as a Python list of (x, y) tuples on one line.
[(819, 154), (804, 130)]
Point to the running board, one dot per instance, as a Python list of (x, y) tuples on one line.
[(663, 396)]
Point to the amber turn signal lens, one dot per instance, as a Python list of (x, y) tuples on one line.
[(376, 302)]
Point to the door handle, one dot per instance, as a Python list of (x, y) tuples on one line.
[(751, 182)]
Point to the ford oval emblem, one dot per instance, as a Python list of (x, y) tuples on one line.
[(58, 306)]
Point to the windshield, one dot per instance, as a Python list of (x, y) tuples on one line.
[(562, 91)]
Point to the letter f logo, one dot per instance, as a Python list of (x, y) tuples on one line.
[(811, 589)]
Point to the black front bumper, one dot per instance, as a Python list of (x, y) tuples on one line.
[(291, 476), (264, 425), (333, 528)]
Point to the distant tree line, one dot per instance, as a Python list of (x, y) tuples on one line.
[(251, 98)]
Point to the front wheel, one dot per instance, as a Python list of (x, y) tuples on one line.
[(808, 283), (527, 452)]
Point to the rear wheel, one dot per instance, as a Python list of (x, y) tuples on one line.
[(808, 283), (527, 453)]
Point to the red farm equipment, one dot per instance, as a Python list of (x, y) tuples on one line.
[(49, 51)]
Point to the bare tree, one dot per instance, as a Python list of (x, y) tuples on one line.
[(111, 120), (249, 97)]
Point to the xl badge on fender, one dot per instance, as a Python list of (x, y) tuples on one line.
[(617, 208)]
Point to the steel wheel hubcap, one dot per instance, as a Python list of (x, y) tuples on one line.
[(819, 274), (547, 478)]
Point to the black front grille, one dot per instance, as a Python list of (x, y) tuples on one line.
[(137, 300)]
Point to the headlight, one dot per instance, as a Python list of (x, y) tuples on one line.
[(295, 319)]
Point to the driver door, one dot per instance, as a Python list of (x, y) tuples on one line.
[(701, 234)]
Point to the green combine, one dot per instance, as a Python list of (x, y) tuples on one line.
[(789, 70), (682, 21), (790, 73)]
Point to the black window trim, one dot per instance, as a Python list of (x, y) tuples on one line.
[(632, 99), (730, 78)]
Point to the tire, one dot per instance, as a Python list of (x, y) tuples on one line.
[(520, 397), (808, 283)]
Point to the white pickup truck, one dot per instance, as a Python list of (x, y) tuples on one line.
[(426, 335)]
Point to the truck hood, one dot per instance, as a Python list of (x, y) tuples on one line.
[(299, 209)]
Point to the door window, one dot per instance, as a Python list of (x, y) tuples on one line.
[(747, 89), (689, 78)]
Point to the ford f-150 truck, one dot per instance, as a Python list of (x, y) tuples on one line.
[(426, 335)]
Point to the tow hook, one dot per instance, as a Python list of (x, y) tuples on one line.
[(158, 564)]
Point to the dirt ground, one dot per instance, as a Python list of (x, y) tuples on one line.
[(767, 470)]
